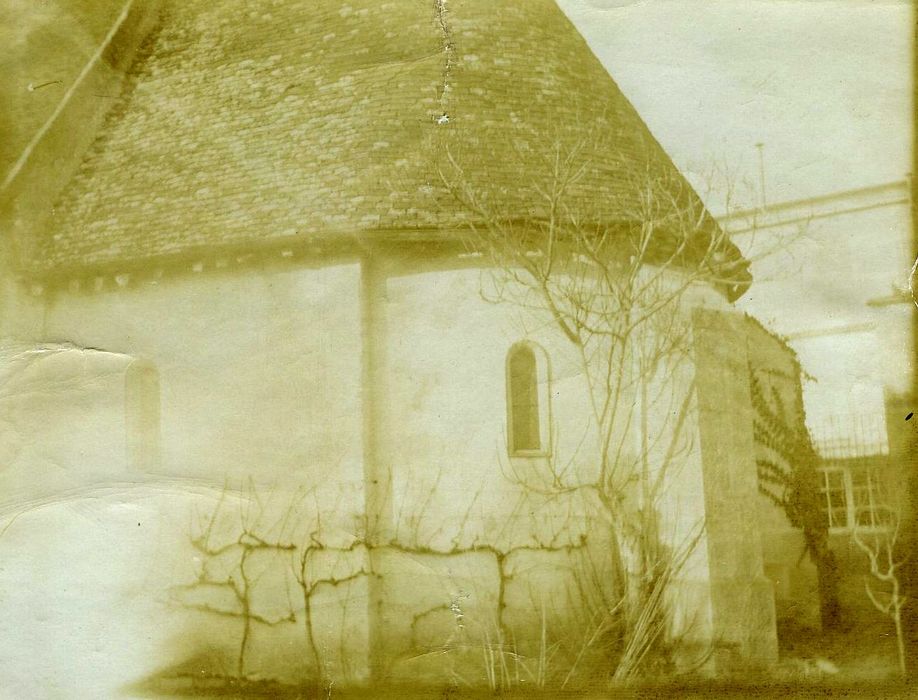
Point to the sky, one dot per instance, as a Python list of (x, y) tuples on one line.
[(824, 85)]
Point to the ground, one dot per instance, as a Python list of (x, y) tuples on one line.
[(848, 664), (702, 691)]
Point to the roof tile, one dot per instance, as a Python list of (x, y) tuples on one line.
[(327, 118)]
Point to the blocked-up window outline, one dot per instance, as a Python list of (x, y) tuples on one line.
[(142, 415), (851, 497)]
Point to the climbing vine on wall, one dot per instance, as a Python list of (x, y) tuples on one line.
[(787, 464)]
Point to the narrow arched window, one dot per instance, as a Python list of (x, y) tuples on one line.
[(141, 414), (526, 401)]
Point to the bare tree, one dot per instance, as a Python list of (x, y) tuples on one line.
[(613, 276), (880, 545), (312, 577)]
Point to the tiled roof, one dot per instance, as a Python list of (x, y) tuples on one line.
[(251, 122)]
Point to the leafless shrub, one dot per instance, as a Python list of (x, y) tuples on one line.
[(880, 545), (613, 277), (228, 550)]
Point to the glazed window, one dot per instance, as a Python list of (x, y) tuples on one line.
[(834, 501), (851, 497), (527, 400), (866, 504)]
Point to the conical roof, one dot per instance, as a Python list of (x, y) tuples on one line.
[(246, 123)]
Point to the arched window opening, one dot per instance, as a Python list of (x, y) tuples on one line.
[(526, 401), (141, 413)]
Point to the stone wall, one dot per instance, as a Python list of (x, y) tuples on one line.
[(741, 597), (263, 376), (500, 554), (259, 379)]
